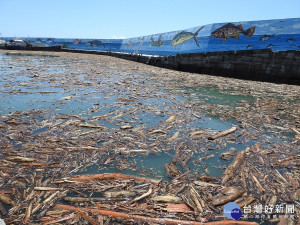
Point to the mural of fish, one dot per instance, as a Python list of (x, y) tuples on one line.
[(141, 41), (232, 31), (266, 37), (157, 43), (77, 41), (130, 44), (50, 40), (96, 43), (38, 41), (184, 36), (290, 40)]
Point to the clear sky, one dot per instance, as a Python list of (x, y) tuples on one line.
[(130, 18)]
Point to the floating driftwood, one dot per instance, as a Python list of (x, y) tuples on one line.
[(112, 176), (223, 133)]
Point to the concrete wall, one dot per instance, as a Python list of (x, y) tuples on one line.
[(264, 64), (277, 34)]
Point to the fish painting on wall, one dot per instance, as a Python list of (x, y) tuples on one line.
[(184, 36), (96, 43), (157, 43), (230, 30)]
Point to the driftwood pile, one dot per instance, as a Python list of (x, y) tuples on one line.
[(98, 165)]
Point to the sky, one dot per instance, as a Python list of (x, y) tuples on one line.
[(130, 18)]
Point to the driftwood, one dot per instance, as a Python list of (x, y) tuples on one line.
[(227, 195), (205, 184), (81, 199), (20, 159), (175, 208), (171, 119), (167, 221), (149, 192), (112, 176), (26, 217), (87, 218), (230, 171), (46, 189), (228, 154), (116, 194), (90, 126), (70, 216), (30, 164), (6, 199), (166, 198), (223, 133), (127, 216), (172, 170)]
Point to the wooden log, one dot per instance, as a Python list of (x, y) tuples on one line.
[(87, 218), (81, 199), (223, 133), (149, 192), (172, 170), (205, 184), (254, 179), (116, 194), (174, 137), (147, 219), (46, 189), (127, 216), (19, 159), (6, 199), (248, 201), (280, 162), (70, 216), (158, 131), (112, 176), (175, 208), (90, 126), (30, 164), (170, 119), (27, 215), (230, 171), (226, 195), (196, 199), (166, 198)]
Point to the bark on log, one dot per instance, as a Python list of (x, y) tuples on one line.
[(230, 171), (223, 133), (167, 221), (112, 176)]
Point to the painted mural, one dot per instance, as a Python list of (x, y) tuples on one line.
[(278, 35)]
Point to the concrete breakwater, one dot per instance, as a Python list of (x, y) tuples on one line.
[(262, 64)]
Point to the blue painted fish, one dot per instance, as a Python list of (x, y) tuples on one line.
[(50, 40), (130, 44), (232, 31), (184, 36), (38, 41), (77, 41), (290, 40), (157, 43), (96, 43), (266, 37), (249, 47)]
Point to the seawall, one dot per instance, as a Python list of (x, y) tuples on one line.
[(263, 65)]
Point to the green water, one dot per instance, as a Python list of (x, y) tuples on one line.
[(22, 91)]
